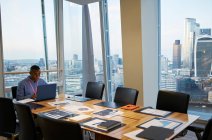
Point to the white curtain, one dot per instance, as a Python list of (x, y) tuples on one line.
[(87, 49)]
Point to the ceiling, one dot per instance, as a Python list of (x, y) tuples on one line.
[(83, 2)]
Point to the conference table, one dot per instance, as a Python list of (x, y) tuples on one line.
[(131, 119)]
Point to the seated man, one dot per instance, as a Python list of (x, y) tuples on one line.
[(27, 88)]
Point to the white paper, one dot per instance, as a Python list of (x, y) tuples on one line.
[(58, 103), (25, 101), (78, 109), (133, 134), (155, 112), (80, 117)]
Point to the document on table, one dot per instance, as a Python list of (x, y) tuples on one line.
[(24, 101), (79, 109), (133, 134), (108, 113), (58, 103), (156, 112), (161, 122)]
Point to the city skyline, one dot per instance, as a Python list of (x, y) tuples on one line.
[(173, 14)]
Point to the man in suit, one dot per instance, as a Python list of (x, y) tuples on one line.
[(27, 88)]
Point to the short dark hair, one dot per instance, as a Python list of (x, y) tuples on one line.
[(34, 67)]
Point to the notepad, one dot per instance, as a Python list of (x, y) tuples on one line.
[(129, 107), (156, 133), (156, 112)]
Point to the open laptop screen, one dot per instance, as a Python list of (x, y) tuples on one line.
[(45, 92)]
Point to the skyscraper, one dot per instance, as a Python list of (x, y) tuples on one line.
[(203, 56), (176, 55), (191, 31), (205, 31)]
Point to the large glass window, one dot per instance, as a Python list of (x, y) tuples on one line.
[(73, 46), (115, 44), (186, 52), (26, 31), (97, 43)]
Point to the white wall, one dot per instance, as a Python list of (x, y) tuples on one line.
[(150, 50)]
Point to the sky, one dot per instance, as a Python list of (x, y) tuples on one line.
[(23, 33), (173, 14), (26, 31)]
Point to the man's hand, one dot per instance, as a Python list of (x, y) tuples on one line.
[(34, 96)]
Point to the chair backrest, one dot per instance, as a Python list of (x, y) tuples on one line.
[(207, 135), (7, 116), (26, 122), (126, 95), (172, 101), (53, 129), (14, 91), (94, 90)]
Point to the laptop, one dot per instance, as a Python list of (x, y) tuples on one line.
[(45, 92)]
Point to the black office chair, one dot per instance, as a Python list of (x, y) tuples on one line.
[(53, 129), (8, 126), (28, 130), (197, 127), (126, 96), (172, 101), (14, 91), (94, 90), (207, 135)]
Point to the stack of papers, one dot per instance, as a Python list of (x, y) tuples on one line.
[(109, 124), (58, 114)]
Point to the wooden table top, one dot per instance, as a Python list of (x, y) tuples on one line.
[(130, 118)]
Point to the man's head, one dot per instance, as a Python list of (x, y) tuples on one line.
[(34, 72)]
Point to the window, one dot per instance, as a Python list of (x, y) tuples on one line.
[(97, 43), (25, 30), (186, 52), (73, 46), (115, 45)]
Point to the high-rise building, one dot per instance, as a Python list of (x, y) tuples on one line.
[(75, 57), (164, 64), (205, 31), (203, 56), (176, 55), (191, 31)]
